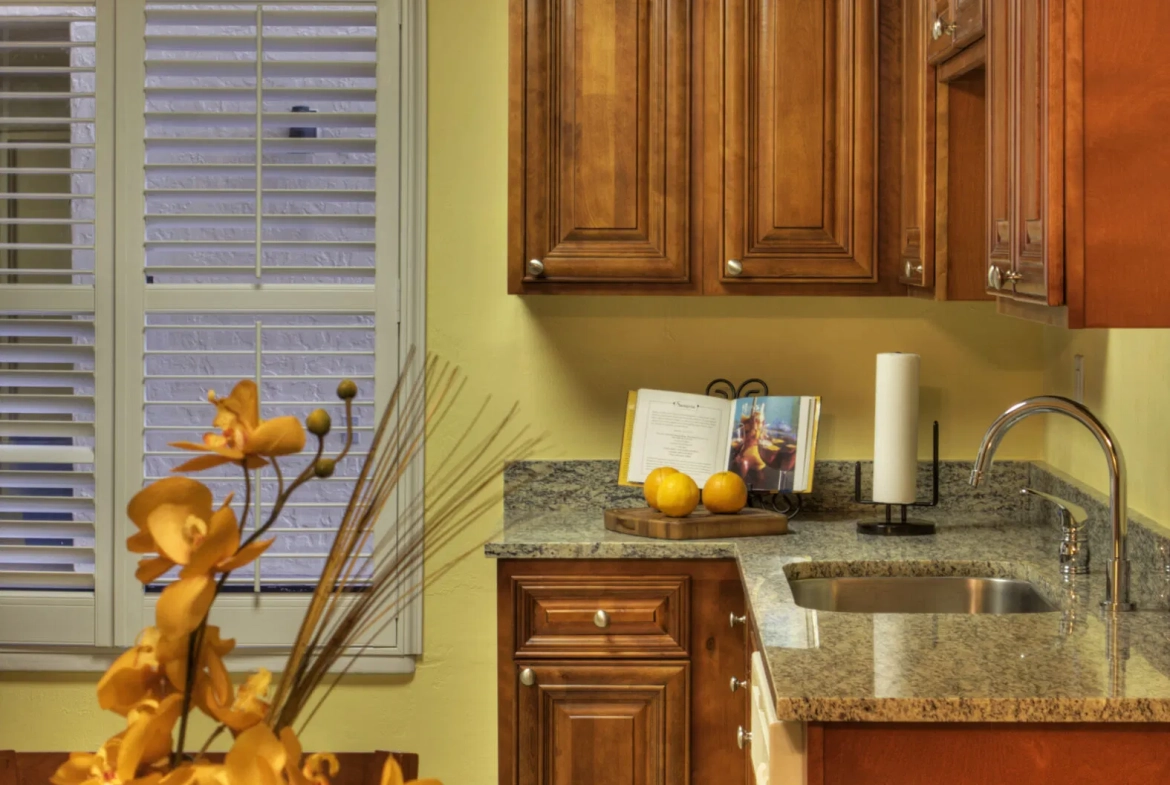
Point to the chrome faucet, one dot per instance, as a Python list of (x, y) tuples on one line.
[(1117, 580)]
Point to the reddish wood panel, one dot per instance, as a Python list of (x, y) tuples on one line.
[(965, 255), (601, 118), (1126, 185), (992, 754)]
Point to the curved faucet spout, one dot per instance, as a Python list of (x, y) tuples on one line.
[(1117, 585)]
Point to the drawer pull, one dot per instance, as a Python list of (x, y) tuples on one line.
[(601, 619), (528, 677), (736, 684), (742, 737), (737, 619)]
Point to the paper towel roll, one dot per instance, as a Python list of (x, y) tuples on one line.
[(895, 429)]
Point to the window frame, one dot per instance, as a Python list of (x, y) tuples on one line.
[(118, 605)]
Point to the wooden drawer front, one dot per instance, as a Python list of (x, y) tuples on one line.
[(646, 617)]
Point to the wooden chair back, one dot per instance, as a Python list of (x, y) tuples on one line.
[(357, 768)]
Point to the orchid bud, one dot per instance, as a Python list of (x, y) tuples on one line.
[(324, 468), (318, 422), (347, 389)]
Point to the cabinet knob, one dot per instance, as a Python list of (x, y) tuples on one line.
[(535, 268), (912, 270), (736, 684), (1011, 276), (528, 677), (734, 268), (939, 29), (601, 619), (994, 277), (737, 619), (742, 737)]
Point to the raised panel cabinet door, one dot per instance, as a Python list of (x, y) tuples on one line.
[(600, 148), (1038, 170), (1000, 119), (917, 227), (602, 724), (799, 138)]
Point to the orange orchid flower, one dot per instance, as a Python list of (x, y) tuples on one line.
[(247, 709), (256, 758), (135, 676), (125, 759), (244, 437), (392, 775), (213, 549), (171, 516), (210, 671)]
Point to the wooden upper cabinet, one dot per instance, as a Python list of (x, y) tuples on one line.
[(1026, 151), (600, 132), (917, 218), (611, 722), (1000, 208), (1039, 165), (799, 142)]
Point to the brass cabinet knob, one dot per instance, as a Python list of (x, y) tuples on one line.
[(737, 619), (736, 684), (601, 619), (912, 270), (535, 268), (994, 277), (939, 29), (742, 737), (734, 268), (528, 677)]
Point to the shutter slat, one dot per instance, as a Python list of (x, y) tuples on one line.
[(41, 453), (46, 505), (81, 405), (46, 429), (34, 479), (13, 529), (45, 378), (15, 579)]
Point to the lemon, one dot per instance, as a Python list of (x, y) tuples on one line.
[(650, 487), (678, 495), (724, 492)]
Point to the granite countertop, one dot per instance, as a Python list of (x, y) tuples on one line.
[(1075, 665)]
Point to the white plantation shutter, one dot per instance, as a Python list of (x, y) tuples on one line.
[(56, 336), (267, 207), (186, 354), (46, 453)]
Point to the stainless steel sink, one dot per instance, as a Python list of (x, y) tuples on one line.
[(926, 594)]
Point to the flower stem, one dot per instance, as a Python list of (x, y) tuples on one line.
[(195, 642)]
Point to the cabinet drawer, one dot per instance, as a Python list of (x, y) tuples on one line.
[(601, 616)]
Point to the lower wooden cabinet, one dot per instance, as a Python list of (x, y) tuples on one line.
[(620, 672), (629, 719)]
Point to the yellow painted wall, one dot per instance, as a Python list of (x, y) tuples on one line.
[(569, 361), (1127, 384)]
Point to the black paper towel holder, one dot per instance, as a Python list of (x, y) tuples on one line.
[(903, 527)]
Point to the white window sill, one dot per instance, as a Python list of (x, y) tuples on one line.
[(74, 659)]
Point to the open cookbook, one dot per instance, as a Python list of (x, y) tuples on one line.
[(769, 441)]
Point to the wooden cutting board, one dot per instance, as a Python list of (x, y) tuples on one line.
[(699, 525)]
